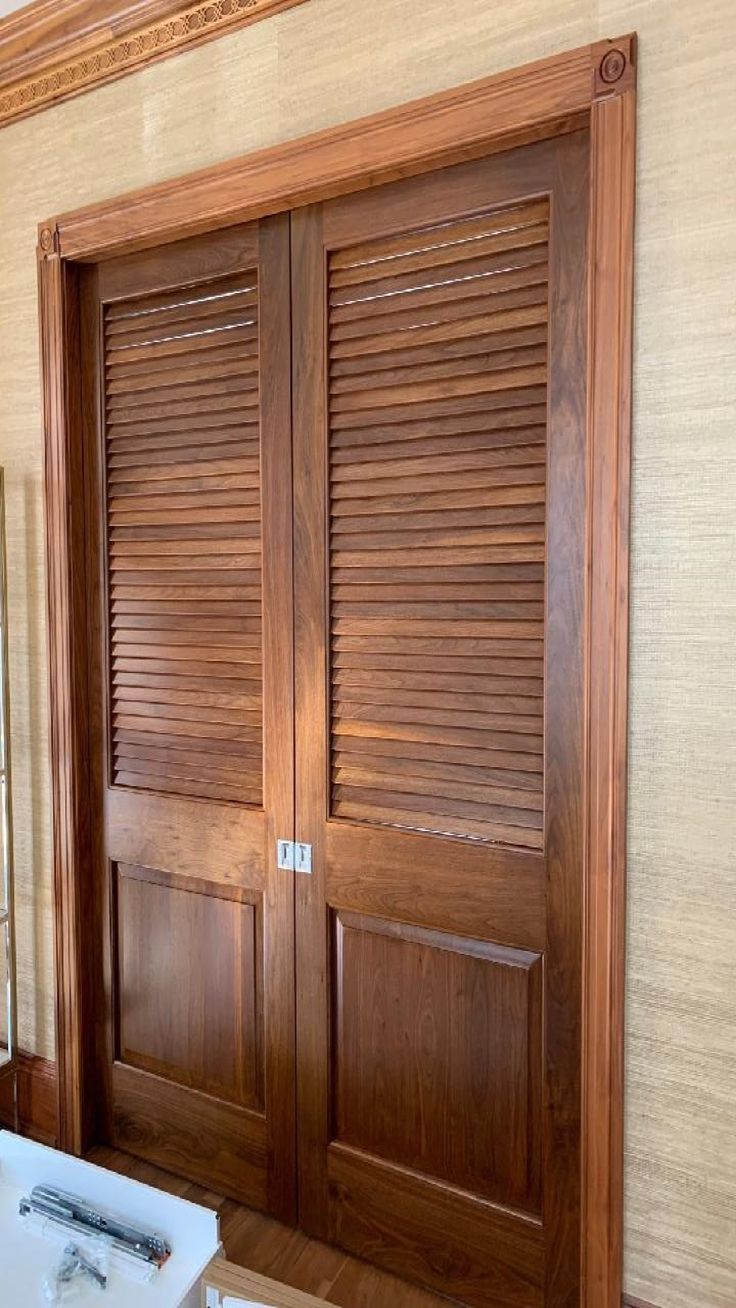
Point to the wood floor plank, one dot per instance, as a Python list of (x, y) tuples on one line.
[(266, 1246)]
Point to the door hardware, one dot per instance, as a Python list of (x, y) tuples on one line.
[(293, 856), (285, 851)]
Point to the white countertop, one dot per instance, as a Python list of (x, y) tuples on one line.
[(25, 1257)]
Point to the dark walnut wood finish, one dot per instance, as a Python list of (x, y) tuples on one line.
[(438, 392), (265, 1247), (37, 1099), (393, 936), (440, 380), (185, 356)]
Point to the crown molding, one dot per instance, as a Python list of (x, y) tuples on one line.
[(54, 49)]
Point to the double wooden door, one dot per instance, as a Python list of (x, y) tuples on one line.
[(336, 489)]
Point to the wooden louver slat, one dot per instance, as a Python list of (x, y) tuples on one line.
[(182, 461), (438, 392)]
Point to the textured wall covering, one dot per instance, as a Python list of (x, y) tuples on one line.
[(335, 59)]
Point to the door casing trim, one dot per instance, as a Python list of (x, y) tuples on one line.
[(593, 86)]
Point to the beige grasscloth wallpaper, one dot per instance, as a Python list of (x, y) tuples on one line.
[(330, 60)]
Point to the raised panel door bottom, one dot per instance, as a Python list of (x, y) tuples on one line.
[(438, 1056), (189, 993)]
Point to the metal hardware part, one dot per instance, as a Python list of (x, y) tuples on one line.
[(293, 856), (76, 1215), (303, 858), (285, 855), (74, 1263)]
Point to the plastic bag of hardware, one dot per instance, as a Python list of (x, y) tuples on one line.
[(83, 1265)]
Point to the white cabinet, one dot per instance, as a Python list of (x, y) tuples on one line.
[(26, 1257)]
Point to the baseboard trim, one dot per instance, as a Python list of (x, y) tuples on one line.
[(38, 1094)]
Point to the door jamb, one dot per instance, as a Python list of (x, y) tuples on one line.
[(594, 85)]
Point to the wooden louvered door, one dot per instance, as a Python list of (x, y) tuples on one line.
[(187, 403), (439, 401)]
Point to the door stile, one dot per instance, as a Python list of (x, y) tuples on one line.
[(310, 608), (278, 707)]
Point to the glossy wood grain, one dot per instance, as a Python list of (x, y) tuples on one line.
[(184, 539), (241, 1284), (564, 726), (220, 840), (480, 745), (196, 1135), (511, 107), (497, 894), (262, 1245), (191, 697), (609, 435), (278, 711), (485, 1255), (310, 704), (210, 1034), (68, 624), (540, 101), (38, 1099), (439, 743), (429, 1030)]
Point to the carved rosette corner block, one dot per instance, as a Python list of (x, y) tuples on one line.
[(46, 241), (612, 67), (614, 70)]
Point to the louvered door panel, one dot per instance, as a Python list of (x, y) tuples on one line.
[(185, 388), (440, 456), (182, 448), (437, 393)]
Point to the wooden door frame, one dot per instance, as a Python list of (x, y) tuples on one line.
[(593, 86)]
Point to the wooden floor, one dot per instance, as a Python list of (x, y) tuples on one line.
[(263, 1244)]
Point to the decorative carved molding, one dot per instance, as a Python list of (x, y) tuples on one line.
[(47, 240), (38, 67), (614, 67)]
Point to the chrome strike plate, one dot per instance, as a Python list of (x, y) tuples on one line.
[(293, 856), (302, 857), (285, 855)]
